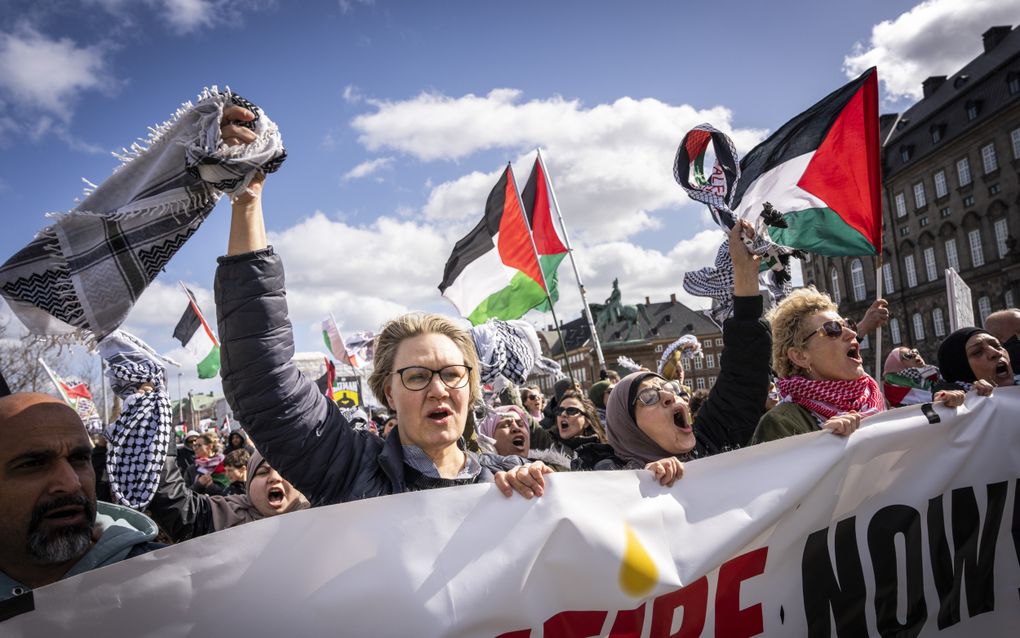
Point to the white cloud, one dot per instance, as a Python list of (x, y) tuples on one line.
[(367, 168), (186, 16), (611, 164), (936, 37), (352, 95), (45, 74)]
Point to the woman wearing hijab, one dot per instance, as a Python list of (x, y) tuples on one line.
[(649, 419), (816, 355), (907, 379), (972, 358)]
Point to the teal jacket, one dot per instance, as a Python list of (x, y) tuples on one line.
[(125, 533)]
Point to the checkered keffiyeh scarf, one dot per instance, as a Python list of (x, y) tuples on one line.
[(81, 275), (716, 192), (827, 398), (141, 436), (510, 349)]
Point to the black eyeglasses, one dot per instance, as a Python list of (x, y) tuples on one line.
[(571, 411), (418, 377), (650, 396), (832, 329), (909, 355)]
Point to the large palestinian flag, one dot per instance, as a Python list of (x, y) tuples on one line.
[(821, 170), (492, 272)]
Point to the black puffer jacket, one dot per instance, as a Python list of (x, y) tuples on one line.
[(303, 435)]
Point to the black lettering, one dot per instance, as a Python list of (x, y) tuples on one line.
[(972, 564), (882, 531), (824, 591)]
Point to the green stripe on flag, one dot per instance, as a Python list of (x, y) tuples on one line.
[(550, 267), (521, 295), (822, 231), (210, 366)]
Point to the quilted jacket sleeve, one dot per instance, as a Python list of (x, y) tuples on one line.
[(302, 435)]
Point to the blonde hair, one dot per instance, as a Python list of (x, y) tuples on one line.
[(416, 324), (787, 321)]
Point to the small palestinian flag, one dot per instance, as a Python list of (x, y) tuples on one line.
[(821, 170), (492, 272), (908, 389), (200, 342)]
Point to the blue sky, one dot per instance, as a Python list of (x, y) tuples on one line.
[(398, 116)]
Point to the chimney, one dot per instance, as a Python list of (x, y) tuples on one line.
[(932, 84), (672, 297), (648, 301), (993, 36)]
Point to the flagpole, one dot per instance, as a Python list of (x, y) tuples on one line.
[(878, 333), (545, 286), (570, 251)]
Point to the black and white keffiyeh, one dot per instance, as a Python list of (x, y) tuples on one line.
[(509, 349), (689, 347), (81, 275), (716, 191), (142, 435)]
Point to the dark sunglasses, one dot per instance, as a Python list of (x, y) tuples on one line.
[(909, 355), (832, 329), (571, 411)]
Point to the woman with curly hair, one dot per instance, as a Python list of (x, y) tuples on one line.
[(817, 358)]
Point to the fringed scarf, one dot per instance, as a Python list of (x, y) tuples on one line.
[(510, 349), (142, 435), (80, 276), (827, 399)]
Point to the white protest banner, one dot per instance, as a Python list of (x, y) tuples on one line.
[(961, 305), (905, 526)]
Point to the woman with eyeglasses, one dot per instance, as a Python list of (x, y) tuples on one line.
[(817, 357), (649, 420), (426, 371)]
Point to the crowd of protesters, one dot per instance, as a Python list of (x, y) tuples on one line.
[(795, 370)]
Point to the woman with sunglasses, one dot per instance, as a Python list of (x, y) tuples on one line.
[(817, 357), (907, 379), (426, 371), (649, 420)]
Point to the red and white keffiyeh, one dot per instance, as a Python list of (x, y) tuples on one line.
[(830, 398)]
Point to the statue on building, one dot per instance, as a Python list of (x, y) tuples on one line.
[(613, 313)]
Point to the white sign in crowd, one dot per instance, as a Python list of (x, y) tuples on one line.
[(907, 525)]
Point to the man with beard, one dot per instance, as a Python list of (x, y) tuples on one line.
[(49, 524)]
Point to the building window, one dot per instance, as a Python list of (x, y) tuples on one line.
[(904, 231), (887, 276), (988, 158), (963, 171), (1008, 298), (918, 327), (922, 221), (968, 201), (941, 186), (1001, 235), (709, 361), (945, 212), (930, 268), (1013, 83), (952, 259), (857, 280), (936, 319), (908, 263), (977, 254), (894, 331), (905, 153), (699, 383), (718, 342), (973, 108), (937, 131), (699, 363), (920, 198), (1014, 139), (865, 344), (707, 343), (901, 205), (834, 276), (994, 189), (984, 309), (711, 382), (687, 364), (660, 348)]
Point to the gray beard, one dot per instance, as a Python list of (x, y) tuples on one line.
[(60, 548)]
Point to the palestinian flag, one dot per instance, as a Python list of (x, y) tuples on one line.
[(492, 272), (200, 342), (900, 389), (821, 170), (538, 208)]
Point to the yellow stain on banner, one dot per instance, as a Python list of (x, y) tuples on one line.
[(638, 573)]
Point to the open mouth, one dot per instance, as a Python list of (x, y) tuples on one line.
[(854, 353), (1002, 370), (440, 414), (275, 496), (680, 420), (518, 442)]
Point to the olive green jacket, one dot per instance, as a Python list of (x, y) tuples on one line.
[(786, 419)]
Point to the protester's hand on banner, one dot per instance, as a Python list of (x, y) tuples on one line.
[(667, 471), (745, 264), (526, 480), (983, 388), (843, 424), (877, 315), (951, 398)]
